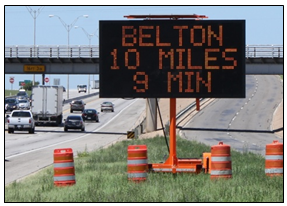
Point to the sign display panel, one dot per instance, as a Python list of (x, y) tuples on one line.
[(34, 68), (172, 59)]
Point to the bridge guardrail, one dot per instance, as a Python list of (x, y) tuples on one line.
[(85, 51), (264, 51), (52, 51)]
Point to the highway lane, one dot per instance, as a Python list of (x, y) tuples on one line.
[(73, 93), (244, 124), (27, 153), (14, 143)]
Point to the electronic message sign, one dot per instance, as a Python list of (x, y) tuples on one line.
[(172, 58)]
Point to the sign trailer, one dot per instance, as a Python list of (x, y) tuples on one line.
[(172, 59)]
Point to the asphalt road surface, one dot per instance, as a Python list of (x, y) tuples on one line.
[(27, 153), (244, 124)]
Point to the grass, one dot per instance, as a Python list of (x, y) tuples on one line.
[(14, 92), (101, 176), (10, 92)]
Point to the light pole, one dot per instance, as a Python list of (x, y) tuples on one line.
[(34, 15), (89, 36), (68, 27)]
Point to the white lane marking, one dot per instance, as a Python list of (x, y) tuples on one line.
[(229, 125), (9, 157)]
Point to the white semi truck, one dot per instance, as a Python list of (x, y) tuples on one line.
[(95, 84), (47, 104)]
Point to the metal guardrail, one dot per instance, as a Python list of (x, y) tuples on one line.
[(139, 129), (52, 51), (264, 51), (84, 51)]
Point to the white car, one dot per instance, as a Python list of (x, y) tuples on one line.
[(82, 88), (24, 104), (107, 106)]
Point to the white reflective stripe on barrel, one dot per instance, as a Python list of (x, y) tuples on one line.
[(274, 170), (274, 157), (220, 172), (161, 170), (64, 178), (185, 170), (132, 175), (67, 164), (220, 159), (134, 162)]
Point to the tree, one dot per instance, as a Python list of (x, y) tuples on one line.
[(28, 86)]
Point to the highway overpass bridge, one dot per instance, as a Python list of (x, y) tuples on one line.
[(53, 59)]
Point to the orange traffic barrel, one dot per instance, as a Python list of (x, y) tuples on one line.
[(220, 161), (274, 159), (64, 171), (137, 163)]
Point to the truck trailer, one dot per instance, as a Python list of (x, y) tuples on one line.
[(95, 84), (47, 104)]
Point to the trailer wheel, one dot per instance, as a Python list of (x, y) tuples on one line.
[(10, 130), (59, 120)]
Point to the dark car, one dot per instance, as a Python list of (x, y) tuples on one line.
[(11, 104), (74, 122), (107, 106), (90, 115), (22, 95), (77, 105)]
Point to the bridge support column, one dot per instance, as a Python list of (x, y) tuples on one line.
[(43, 79), (151, 115)]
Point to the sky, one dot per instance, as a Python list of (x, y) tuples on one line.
[(264, 26)]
